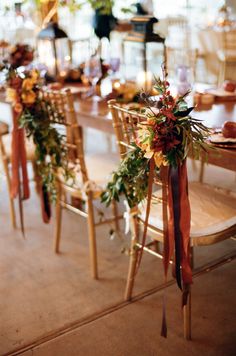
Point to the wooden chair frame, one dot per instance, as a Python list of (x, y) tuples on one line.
[(228, 40), (122, 119), (5, 163), (64, 103)]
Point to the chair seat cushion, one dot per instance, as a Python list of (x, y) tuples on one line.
[(212, 210), (99, 167), (4, 128), (30, 147)]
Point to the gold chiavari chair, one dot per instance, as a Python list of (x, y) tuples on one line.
[(213, 210), (90, 175), (227, 55)]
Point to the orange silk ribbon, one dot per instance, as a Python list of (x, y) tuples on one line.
[(176, 229), (185, 220), (18, 160), (182, 204)]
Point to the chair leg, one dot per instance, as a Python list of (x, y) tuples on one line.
[(132, 262), (115, 215), (57, 235), (187, 307), (202, 171), (187, 317), (37, 178), (11, 201), (92, 238)]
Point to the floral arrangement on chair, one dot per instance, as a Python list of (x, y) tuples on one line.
[(163, 141), (167, 136), (32, 115)]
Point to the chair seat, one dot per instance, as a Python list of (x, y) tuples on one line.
[(4, 128), (227, 56), (213, 210), (99, 166), (30, 147)]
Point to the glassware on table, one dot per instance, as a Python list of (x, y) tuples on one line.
[(93, 71), (183, 79), (114, 65)]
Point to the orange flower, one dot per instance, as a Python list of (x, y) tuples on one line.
[(34, 76), (11, 95), (160, 159), (28, 97), (18, 108), (27, 84)]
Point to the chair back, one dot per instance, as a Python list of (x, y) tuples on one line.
[(60, 108), (125, 123), (229, 40)]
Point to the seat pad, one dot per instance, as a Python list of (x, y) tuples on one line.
[(99, 167), (30, 147), (212, 210)]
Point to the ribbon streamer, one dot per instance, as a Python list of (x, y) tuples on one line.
[(174, 192), (19, 166), (45, 204)]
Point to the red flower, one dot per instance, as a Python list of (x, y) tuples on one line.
[(15, 82)]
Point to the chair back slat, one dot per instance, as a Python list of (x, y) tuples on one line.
[(125, 123), (229, 40), (61, 111)]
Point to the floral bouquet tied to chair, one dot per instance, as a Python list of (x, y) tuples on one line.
[(33, 114), (154, 146)]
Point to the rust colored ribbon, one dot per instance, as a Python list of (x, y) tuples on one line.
[(44, 197), (175, 207), (176, 227), (18, 161), (45, 204), (179, 223), (185, 219), (168, 236), (176, 230), (168, 245)]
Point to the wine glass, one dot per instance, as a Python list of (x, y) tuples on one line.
[(115, 64), (93, 71)]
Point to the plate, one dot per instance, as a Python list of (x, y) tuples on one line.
[(231, 146), (218, 138), (221, 93), (77, 89)]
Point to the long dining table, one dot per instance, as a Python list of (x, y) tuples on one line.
[(95, 114)]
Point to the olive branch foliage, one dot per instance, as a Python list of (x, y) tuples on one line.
[(50, 148), (130, 179)]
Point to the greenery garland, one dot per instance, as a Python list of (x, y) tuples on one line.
[(131, 179), (24, 92), (50, 148)]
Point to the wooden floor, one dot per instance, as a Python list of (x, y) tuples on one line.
[(49, 305), (134, 329)]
